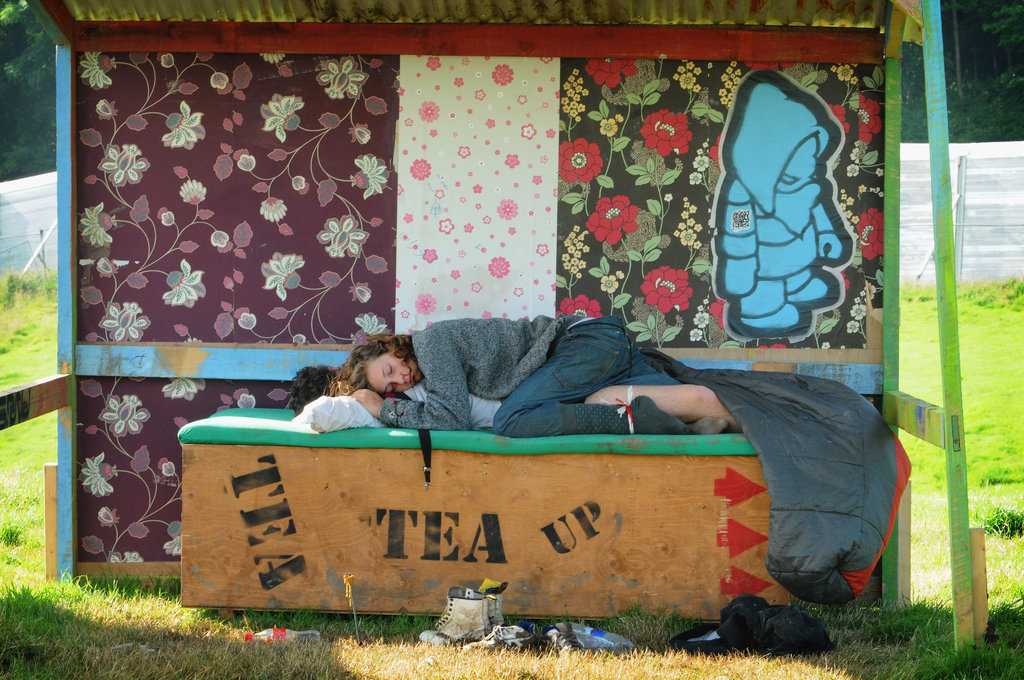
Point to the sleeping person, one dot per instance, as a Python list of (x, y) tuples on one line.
[(552, 376), (313, 404)]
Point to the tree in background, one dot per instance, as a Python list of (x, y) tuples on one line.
[(983, 43), (27, 93), (983, 40)]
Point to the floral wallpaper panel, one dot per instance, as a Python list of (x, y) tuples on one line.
[(221, 198), (129, 500), (478, 142), (640, 165), (235, 198)]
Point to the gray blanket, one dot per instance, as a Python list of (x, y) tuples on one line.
[(833, 468)]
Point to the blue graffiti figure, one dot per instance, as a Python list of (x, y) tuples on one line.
[(781, 241)]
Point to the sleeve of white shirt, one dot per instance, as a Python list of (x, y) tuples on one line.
[(481, 412), (327, 414)]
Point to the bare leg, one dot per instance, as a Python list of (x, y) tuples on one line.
[(689, 403)]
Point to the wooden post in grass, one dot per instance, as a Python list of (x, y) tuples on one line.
[(949, 338), (50, 521), (896, 558), (979, 583)]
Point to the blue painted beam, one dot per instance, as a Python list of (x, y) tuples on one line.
[(197, 361), (238, 363), (65, 71)]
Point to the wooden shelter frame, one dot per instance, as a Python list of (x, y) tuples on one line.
[(941, 426)]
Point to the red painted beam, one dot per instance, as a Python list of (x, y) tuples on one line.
[(715, 43)]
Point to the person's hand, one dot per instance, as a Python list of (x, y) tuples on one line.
[(369, 400)]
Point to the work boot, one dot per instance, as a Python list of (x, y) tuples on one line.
[(469, 615)]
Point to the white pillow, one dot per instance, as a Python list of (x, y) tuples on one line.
[(326, 414)]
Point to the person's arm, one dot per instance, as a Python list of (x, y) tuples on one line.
[(447, 406), (326, 414)]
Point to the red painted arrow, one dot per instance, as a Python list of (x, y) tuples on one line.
[(739, 538), (741, 582), (736, 488)]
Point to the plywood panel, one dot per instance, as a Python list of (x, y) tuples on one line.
[(573, 534)]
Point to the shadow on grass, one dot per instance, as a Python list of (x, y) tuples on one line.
[(103, 629), (331, 625), (134, 630)]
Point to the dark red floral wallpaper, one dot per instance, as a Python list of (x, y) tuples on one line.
[(221, 198)]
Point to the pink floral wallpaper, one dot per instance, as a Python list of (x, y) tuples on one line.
[(280, 199), (476, 194)]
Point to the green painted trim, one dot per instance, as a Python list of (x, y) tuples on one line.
[(891, 246), (891, 587), (274, 427), (949, 340)]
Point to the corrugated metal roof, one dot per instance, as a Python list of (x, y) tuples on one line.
[(822, 13)]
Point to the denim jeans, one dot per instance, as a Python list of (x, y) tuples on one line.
[(586, 357)]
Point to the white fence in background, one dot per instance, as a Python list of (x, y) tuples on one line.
[(988, 211), (988, 215), (28, 216)]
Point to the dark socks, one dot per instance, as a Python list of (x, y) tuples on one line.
[(649, 419)]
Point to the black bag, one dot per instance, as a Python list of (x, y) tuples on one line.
[(749, 623)]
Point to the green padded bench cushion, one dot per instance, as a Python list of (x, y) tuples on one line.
[(274, 427)]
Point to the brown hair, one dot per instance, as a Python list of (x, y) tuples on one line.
[(352, 376)]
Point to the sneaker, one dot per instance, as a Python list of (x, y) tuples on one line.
[(435, 637), (561, 636), (469, 615), (514, 637)]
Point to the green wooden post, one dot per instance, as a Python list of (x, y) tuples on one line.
[(891, 288), (949, 340)]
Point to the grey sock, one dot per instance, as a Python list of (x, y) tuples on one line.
[(649, 419)]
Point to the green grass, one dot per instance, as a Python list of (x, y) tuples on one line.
[(28, 351), (992, 372), (126, 629)]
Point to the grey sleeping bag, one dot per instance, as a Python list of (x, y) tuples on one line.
[(833, 468)]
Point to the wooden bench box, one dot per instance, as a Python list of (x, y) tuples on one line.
[(579, 526)]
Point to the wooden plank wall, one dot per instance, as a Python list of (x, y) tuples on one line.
[(585, 534)]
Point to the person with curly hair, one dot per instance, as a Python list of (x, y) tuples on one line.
[(553, 376)]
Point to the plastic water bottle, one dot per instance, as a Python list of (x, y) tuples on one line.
[(594, 638), (284, 635)]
